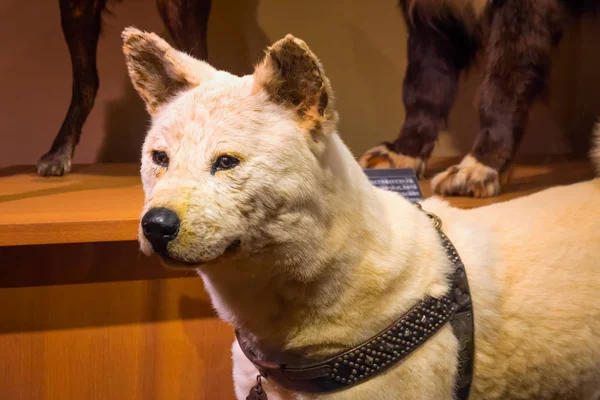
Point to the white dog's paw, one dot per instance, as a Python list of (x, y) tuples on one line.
[(382, 157), (469, 178)]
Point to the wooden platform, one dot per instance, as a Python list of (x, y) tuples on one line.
[(102, 203)]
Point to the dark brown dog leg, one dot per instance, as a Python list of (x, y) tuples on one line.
[(518, 60), (187, 23), (81, 22), (439, 48)]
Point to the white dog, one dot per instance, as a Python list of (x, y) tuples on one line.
[(247, 181)]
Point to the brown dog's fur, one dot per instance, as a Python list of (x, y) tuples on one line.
[(517, 38), (467, 9)]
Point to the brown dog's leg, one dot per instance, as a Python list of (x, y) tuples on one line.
[(81, 22), (187, 23), (439, 48), (518, 60)]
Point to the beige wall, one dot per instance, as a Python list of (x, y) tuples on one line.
[(362, 47)]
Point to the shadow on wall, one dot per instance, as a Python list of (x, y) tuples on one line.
[(585, 105), (375, 97), (236, 41), (126, 124)]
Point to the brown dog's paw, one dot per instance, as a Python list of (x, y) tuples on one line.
[(469, 178), (54, 164), (382, 157)]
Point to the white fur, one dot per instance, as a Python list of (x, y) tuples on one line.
[(327, 260)]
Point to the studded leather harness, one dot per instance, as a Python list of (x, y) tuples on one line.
[(390, 346)]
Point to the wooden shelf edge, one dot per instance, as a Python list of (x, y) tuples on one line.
[(90, 194), (68, 232)]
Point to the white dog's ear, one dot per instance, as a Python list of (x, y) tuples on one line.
[(158, 71), (293, 76)]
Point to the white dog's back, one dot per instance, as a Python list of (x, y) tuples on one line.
[(534, 268)]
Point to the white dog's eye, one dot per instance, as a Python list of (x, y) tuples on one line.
[(160, 158), (224, 162)]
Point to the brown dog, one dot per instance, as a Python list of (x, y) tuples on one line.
[(517, 37), (81, 20)]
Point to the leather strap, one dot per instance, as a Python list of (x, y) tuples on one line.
[(391, 345)]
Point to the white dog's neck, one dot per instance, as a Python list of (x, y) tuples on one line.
[(345, 283)]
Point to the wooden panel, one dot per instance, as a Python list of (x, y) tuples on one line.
[(99, 203), (99, 321)]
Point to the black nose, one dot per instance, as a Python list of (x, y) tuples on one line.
[(160, 226)]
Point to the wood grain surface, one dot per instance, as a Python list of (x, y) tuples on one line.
[(97, 321)]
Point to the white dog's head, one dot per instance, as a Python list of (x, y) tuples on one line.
[(231, 165)]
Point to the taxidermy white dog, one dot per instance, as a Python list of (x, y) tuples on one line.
[(247, 181)]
